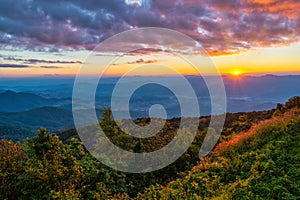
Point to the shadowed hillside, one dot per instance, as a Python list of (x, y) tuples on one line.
[(256, 158), (50, 117), (11, 101)]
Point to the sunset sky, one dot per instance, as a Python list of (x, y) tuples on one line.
[(49, 37)]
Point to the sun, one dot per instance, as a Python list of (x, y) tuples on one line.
[(236, 72)]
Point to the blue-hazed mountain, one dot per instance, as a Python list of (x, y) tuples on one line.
[(29, 103), (11, 101), (54, 119), (16, 133)]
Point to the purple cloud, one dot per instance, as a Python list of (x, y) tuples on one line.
[(51, 67), (13, 66), (221, 26), (35, 61)]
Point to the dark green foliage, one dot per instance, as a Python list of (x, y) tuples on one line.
[(262, 162), (52, 168), (12, 165), (16, 133), (293, 103)]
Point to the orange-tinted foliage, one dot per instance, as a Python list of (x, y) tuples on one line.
[(263, 126)]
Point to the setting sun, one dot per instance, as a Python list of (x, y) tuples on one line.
[(236, 72)]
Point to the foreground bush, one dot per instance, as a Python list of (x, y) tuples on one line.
[(263, 163)]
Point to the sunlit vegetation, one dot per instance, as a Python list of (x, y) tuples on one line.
[(262, 163), (257, 158)]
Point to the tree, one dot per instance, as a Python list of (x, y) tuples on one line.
[(52, 168), (12, 165), (293, 103)]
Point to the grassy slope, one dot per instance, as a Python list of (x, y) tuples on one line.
[(262, 163)]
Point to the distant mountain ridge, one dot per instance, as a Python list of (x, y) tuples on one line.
[(29, 103), (11, 101), (51, 117)]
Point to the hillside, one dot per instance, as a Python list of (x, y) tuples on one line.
[(16, 133), (234, 123), (51, 117), (257, 157), (262, 163), (11, 101)]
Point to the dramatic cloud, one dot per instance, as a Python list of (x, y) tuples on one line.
[(27, 66), (13, 66), (35, 61), (141, 61), (289, 8), (221, 26), (51, 67)]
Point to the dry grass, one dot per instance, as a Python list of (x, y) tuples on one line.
[(260, 131)]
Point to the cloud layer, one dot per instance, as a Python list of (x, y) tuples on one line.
[(20, 66), (36, 61), (221, 26)]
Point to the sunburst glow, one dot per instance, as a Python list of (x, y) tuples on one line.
[(236, 72)]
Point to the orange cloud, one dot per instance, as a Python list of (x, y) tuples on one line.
[(287, 8), (265, 2)]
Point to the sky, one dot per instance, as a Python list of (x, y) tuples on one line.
[(54, 38)]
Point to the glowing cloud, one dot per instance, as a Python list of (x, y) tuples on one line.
[(134, 2)]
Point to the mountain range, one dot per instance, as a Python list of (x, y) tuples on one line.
[(11, 101), (26, 104)]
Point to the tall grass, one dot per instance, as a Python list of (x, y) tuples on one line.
[(258, 135)]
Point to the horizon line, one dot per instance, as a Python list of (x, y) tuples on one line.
[(151, 75)]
